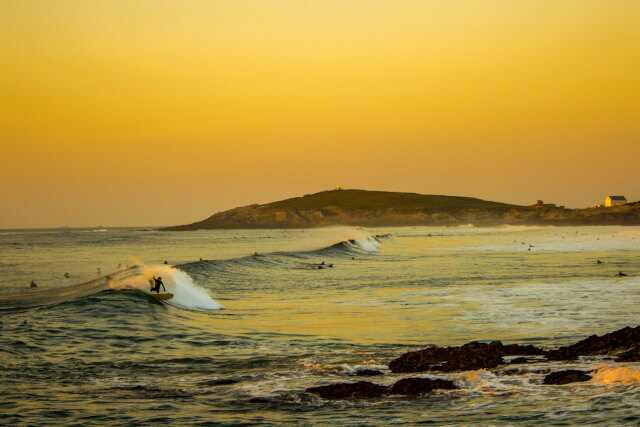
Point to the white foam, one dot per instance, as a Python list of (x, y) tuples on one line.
[(368, 244), (611, 376), (186, 293), (320, 238)]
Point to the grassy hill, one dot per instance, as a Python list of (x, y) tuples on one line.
[(355, 207), (363, 199), (382, 208)]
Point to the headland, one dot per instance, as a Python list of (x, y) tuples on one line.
[(392, 209)]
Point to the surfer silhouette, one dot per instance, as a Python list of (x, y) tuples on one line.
[(158, 282)]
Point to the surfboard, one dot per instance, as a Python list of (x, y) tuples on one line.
[(162, 296)]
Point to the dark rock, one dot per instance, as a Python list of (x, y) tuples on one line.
[(519, 360), (618, 340), (521, 350), (563, 353), (260, 400), (631, 355), (368, 373), (566, 377), (411, 386), (471, 356), (344, 390), (220, 381), (523, 371)]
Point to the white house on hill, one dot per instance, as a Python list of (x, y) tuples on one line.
[(615, 201)]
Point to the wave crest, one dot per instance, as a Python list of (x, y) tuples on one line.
[(186, 294)]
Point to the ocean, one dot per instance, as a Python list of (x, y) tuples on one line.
[(246, 335)]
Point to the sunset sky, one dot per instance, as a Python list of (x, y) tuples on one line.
[(165, 112)]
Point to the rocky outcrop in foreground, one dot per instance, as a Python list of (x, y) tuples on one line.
[(566, 377), (344, 390), (622, 339), (406, 386), (471, 356), (475, 355), (631, 355), (623, 343)]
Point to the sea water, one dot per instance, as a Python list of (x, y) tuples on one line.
[(245, 335)]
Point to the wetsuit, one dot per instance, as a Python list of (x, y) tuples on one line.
[(158, 282)]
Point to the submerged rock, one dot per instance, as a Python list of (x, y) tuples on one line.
[(220, 381), (471, 356), (566, 377), (368, 373), (405, 386), (344, 390), (412, 386)]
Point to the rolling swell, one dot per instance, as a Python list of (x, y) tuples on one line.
[(288, 260), (60, 294)]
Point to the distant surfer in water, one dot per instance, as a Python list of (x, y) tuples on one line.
[(33, 284), (158, 282), (620, 274)]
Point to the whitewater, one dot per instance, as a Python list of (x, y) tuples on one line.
[(261, 315)]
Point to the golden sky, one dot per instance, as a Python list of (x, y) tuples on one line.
[(164, 112)]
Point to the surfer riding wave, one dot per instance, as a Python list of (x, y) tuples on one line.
[(157, 283)]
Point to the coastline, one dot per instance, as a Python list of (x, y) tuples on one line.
[(359, 208)]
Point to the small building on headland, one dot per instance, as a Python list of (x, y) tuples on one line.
[(615, 201), (541, 204)]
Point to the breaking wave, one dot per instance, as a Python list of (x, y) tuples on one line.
[(615, 376), (187, 294), (344, 249), (179, 280)]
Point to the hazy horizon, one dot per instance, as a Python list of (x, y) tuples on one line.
[(162, 113), (93, 226)]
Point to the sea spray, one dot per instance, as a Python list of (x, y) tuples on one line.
[(325, 237), (611, 375), (367, 244), (186, 294)]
